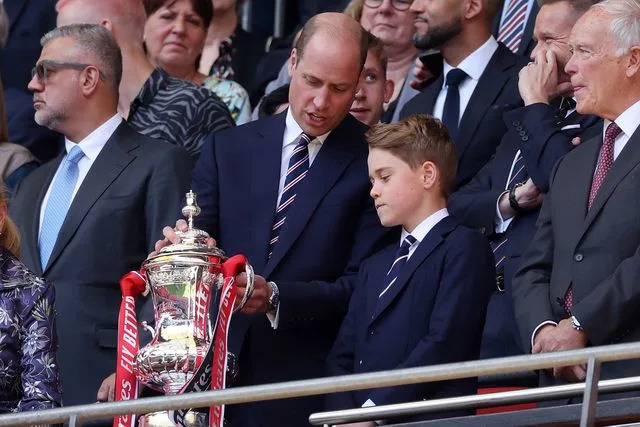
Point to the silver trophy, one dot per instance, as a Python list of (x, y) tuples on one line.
[(183, 279)]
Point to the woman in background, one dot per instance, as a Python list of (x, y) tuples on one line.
[(174, 37), (28, 368)]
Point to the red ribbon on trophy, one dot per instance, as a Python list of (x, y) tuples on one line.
[(132, 284)]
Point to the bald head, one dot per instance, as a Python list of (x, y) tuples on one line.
[(125, 18), (336, 26)]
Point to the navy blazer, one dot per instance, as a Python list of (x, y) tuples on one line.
[(132, 190), (481, 126), (330, 229), (432, 314), (542, 141)]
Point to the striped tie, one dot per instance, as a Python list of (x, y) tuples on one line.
[(401, 258), (518, 174), (298, 168), (58, 203), (512, 28)]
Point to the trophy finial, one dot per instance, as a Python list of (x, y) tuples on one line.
[(192, 209)]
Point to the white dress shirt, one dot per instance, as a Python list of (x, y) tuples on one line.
[(628, 121), (91, 146), (474, 65)]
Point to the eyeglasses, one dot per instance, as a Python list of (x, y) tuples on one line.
[(397, 4), (43, 68)]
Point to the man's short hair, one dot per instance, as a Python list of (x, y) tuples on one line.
[(579, 6), (376, 46), (202, 8), (318, 23), (95, 42), (625, 22), (418, 139)]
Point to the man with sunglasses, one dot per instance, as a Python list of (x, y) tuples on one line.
[(92, 214), (479, 79)]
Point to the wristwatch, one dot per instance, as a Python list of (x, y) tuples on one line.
[(512, 198), (575, 324), (274, 299)]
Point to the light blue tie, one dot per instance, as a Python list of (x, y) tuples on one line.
[(58, 203)]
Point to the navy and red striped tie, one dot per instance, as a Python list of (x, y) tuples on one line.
[(512, 27), (297, 171)]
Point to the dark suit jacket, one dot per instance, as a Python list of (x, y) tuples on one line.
[(532, 130), (594, 251), (330, 229), (131, 192), (527, 44), (481, 126), (432, 314)]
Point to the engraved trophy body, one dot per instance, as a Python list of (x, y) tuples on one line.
[(183, 279)]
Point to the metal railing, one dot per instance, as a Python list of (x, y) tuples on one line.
[(594, 356)]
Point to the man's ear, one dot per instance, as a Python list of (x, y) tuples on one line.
[(293, 61), (472, 8), (388, 90), (89, 80), (107, 24), (633, 62)]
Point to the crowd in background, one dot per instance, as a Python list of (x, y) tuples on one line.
[(414, 182)]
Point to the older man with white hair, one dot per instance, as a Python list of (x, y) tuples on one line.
[(578, 283)]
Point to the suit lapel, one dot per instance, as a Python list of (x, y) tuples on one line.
[(113, 158), (431, 94), (628, 159), (14, 9), (431, 241), (487, 90), (266, 159), (332, 159)]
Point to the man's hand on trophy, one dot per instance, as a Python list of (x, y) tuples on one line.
[(171, 237), (107, 389), (258, 301)]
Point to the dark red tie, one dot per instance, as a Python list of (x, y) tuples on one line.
[(604, 165)]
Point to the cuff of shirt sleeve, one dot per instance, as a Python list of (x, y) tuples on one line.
[(501, 223), (535, 331), (274, 318), (369, 403)]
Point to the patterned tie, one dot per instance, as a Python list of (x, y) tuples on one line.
[(298, 168), (58, 203), (518, 174), (512, 28), (401, 258), (451, 111), (602, 169)]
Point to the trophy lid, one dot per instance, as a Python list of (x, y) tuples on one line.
[(194, 240)]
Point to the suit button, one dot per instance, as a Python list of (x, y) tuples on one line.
[(522, 133), (525, 138), (578, 257), (371, 333), (519, 128), (516, 123), (360, 362)]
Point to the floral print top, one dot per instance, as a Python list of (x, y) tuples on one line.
[(28, 367), (233, 95)]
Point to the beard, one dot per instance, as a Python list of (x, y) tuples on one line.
[(49, 119), (435, 37)]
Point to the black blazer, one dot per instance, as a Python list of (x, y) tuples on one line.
[(595, 251), (133, 189), (534, 131), (481, 126)]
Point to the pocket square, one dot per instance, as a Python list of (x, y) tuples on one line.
[(567, 127)]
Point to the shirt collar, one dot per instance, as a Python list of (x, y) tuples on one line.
[(476, 62), (628, 121), (93, 143), (292, 131), (422, 229)]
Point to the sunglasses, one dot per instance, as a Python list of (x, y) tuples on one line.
[(397, 4), (42, 68)]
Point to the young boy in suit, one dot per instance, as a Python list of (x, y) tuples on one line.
[(421, 301)]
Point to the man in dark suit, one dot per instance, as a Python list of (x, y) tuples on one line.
[(92, 214), (577, 285), (538, 135), (478, 82), (514, 25), (422, 300), (291, 193)]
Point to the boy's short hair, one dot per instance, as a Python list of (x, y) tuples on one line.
[(418, 139), (377, 48)]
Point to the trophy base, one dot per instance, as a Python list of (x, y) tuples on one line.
[(162, 419)]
